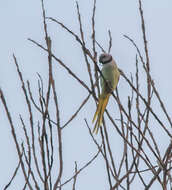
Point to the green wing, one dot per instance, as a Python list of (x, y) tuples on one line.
[(111, 74)]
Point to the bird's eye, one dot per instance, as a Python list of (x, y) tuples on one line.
[(103, 57)]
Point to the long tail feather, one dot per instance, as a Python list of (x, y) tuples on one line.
[(103, 109), (99, 112), (100, 102)]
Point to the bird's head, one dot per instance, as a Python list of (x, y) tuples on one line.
[(105, 58)]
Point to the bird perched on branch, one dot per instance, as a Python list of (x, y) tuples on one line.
[(108, 80)]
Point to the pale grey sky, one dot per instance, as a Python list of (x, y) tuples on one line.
[(21, 19)]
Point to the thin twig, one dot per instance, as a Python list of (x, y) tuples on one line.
[(81, 169), (74, 179), (13, 176), (110, 41)]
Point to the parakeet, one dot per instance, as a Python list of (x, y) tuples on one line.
[(111, 74)]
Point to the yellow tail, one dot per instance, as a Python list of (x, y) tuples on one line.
[(102, 103)]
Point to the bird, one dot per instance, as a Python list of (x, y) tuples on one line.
[(108, 81)]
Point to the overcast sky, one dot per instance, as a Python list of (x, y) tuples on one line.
[(21, 19)]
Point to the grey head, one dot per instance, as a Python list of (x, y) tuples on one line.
[(105, 58)]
